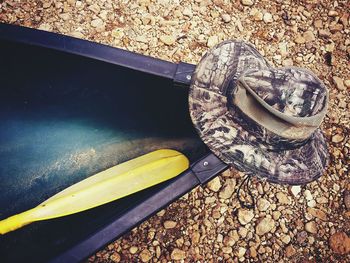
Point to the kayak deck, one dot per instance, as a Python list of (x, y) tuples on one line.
[(65, 117)]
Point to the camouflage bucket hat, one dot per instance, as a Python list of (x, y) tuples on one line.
[(261, 120)]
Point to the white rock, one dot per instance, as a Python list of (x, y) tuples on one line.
[(245, 216), (97, 22), (339, 83), (295, 190), (94, 8), (226, 18), (228, 188), (267, 18), (247, 2), (241, 252), (214, 185), (212, 41), (187, 12), (167, 39), (265, 226), (308, 195), (263, 204)]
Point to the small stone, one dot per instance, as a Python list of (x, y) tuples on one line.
[(332, 13), (95, 8), (311, 227), (311, 203), (309, 36), (145, 255), (253, 252), (295, 190), (276, 215), (241, 252), (263, 204), (187, 12), (287, 62), (245, 216), (64, 16), (283, 198), (299, 39), (226, 18), (308, 195), (228, 189), (347, 83), (169, 224), (133, 249), (178, 254), (167, 39), (322, 200), (195, 237), (347, 199), (317, 213), (115, 257), (268, 18), (340, 243), (318, 23), (285, 239), (77, 34), (337, 138), (301, 237), (324, 33), (45, 27), (339, 83), (229, 241), (243, 232), (97, 22), (265, 226), (212, 41), (290, 251), (227, 250), (214, 185), (46, 4), (247, 2)]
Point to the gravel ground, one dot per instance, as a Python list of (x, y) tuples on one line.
[(297, 224)]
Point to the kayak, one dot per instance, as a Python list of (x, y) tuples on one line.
[(71, 108)]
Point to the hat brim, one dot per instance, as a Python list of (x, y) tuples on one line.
[(221, 129)]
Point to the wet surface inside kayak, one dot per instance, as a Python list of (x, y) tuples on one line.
[(64, 118)]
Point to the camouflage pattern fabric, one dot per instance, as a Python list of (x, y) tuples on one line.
[(261, 120)]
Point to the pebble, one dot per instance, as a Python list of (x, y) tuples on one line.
[(169, 224), (295, 190), (290, 251), (317, 213), (339, 83), (283, 198), (167, 39), (226, 18), (241, 252), (265, 226), (340, 243), (337, 138), (347, 83), (133, 249), (301, 237), (311, 227), (97, 23), (227, 250), (214, 185), (285, 239), (262, 204), (276, 215), (115, 257), (268, 18), (212, 41), (95, 8), (308, 195), (247, 2), (145, 255), (309, 36), (178, 254), (347, 199), (245, 216), (187, 12), (228, 189), (299, 39)]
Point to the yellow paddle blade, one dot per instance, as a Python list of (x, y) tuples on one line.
[(114, 183)]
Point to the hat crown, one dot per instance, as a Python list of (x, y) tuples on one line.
[(293, 92)]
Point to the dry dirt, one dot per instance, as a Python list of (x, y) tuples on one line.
[(307, 224)]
